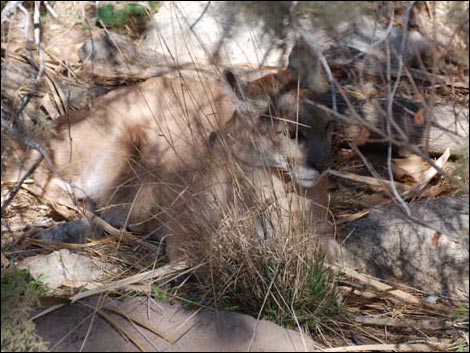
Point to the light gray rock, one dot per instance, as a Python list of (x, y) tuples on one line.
[(192, 331), (200, 31), (63, 268), (428, 251)]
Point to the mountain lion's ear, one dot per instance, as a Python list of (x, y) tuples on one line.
[(304, 64), (261, 90), (238, 86), (304, 67)]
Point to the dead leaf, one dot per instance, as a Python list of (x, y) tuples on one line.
[(435, 239), (412, 167), (372, 200), (419, 117), (5, 261), (362, 137)]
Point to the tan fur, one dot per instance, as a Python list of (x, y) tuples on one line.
[(146, 156), (225, 186), (128, 138)]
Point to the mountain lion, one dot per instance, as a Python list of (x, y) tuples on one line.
[(170, 154)]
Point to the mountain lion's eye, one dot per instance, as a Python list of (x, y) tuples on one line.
[(296, 135)]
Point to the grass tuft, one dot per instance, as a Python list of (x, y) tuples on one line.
[(20, 293)]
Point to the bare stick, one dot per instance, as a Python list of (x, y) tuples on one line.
[(369, 180), (12, 193), (407, 297), (147, 275), (399, 347)]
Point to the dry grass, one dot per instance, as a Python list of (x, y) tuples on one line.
[(19, 297), (282, 278)]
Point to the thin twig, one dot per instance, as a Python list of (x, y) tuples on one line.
[(401, 203), (399, 347), (12, 193), (10, 9), (178, 268), (407, 297), (369, 180)]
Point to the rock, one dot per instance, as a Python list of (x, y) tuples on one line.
[(428, 251), (64, 268), (201, 32), (191, 331)]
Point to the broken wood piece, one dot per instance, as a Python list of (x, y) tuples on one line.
[(147, 275), (428, 175), (398, 347), (425, 324), (382, 183), (407, 297), (411, 167)]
